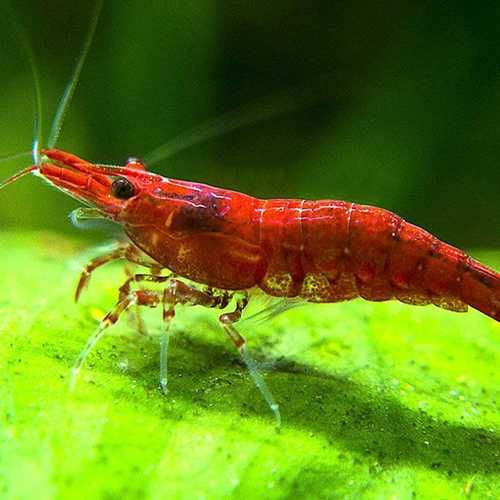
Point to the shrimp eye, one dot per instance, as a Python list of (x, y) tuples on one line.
[(122, 188)]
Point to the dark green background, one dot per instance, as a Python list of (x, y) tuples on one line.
[(406, 117)]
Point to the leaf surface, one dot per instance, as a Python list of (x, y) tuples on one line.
[(378, 400)]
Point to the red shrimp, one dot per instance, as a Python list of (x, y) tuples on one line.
[(229, 243), (321, 251)]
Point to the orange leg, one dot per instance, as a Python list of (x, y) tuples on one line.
[(121, 251), (124, 291)]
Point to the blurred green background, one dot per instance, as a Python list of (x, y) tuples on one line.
[(406, 112)]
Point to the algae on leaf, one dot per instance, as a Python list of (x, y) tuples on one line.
[(378, 400)]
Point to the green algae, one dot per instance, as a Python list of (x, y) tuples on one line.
[(377, 400)]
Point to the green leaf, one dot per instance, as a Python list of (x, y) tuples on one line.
[(378, 400)]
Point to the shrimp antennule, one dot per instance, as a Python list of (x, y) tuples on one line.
[(18, 175)]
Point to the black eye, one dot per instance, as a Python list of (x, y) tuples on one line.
[(122, 188)]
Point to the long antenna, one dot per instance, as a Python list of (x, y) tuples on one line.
[(37, 114), (71, 86), (37, 119), (233, 120), (15, 156), (18, 175), (263, 109)]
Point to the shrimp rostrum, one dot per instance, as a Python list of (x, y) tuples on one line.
[(230, 243)]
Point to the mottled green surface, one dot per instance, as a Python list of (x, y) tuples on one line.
[(378, 400)]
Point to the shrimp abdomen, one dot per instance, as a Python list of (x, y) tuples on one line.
[(329, 251)]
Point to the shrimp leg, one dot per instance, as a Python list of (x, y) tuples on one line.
[(175, 293), (135, 317), (121, 251), (227, 321), (126, 299), (140, 297), (168, 315), (124, 292), (178, 292)]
